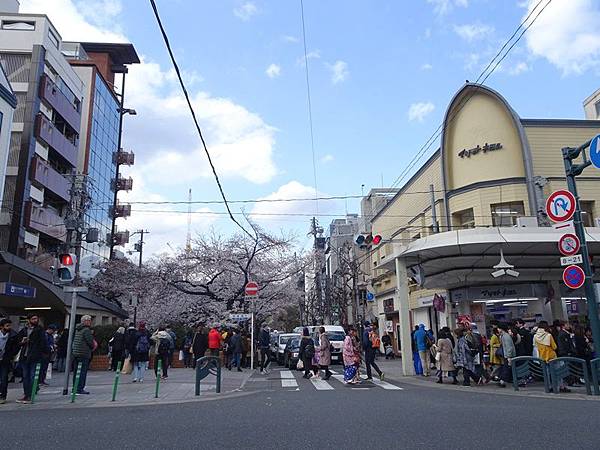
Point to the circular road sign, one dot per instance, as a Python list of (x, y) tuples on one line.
[(569, 244), (574, 277), (560, 206), (251, 288), (595, 152)]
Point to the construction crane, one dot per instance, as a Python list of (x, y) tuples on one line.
[(188, 241)]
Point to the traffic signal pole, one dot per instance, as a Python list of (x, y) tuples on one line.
[(571, 171)]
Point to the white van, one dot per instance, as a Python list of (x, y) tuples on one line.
[(336, 335)]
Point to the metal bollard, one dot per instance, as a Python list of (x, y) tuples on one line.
[(116, 383), (76, 382), (158, 375), (36, 380)]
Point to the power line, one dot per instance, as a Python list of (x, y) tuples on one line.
[(437, 133), (310, 119), (193, 113)]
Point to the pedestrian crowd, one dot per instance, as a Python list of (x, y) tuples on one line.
[(481, 359)]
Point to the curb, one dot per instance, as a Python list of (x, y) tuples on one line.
[(508, 391)]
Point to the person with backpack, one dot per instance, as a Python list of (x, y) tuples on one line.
[(163, 343), (306, 353), (422, 343), (371, 346), (140, 354)]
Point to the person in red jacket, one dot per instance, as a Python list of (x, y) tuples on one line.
[(214, 341)]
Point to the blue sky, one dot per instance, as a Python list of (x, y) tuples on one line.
[(381, 75)]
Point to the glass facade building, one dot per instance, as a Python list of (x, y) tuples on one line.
[(103, 144)]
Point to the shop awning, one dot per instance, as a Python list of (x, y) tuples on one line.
[(466, 257)]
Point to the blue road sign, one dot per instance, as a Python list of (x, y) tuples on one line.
[(595, 152), (370, 297)]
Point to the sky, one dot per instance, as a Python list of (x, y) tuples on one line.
[(381, 74)]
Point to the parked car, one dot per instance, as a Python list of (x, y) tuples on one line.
[(273, 346), (282, 340), (311, 329), (290, 353), (336, 335)]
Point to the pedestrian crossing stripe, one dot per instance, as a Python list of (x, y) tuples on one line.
[(289, 382), (321, 385)]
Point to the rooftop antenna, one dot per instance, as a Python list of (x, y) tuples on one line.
[(188, 241)]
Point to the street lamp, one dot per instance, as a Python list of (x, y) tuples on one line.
[(130, 111)]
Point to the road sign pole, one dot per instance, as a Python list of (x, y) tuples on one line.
[(72, 319), (571, 172)]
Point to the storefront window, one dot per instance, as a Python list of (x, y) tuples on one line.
[(505, 214), (464, 219), (587, 213)]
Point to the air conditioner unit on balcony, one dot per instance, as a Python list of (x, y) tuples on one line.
[(527, 222)]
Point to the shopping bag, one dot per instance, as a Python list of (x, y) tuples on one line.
[(127, 367), (49, 372), (300, 365), (181, 355)]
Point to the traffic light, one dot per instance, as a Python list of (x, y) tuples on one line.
[(366, 240), (66, 267)]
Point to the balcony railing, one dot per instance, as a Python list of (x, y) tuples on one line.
[(50, 93), (124, 158), (42, 173), (123, 184), (47, 132), (121, 210), (45, 221), (119, 238)]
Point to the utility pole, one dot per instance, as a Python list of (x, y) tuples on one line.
[(138, 247), (318, 257), (571, 171), (75, 223)]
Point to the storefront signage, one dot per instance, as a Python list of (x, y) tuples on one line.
[(499, 292), (466, 153), (388, 305), (17, 290), (568, 260), (389, 326)]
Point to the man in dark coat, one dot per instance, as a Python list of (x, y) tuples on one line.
[(33, 343), (83, 346), (9, 347), (199, 344), (525, 345)]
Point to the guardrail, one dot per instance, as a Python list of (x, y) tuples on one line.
[(524, 367), (205, 366), (563, 367), (595, 366)]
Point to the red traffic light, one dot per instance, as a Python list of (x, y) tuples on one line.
[(66, 260), (377, 239)]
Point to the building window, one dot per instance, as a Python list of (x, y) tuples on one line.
[(19, 25), (505, 214), (597, 106), (587, 213), (53, 38), (464, 219)]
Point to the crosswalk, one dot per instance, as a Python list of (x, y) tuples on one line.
[(288, 380)]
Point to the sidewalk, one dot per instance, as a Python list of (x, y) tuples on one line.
[(393, 371), (178, 388)]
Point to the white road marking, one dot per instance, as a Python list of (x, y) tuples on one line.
[(287, 374), (386, 385), (321, 385), (288, 382)]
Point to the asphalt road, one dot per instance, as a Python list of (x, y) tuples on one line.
[(344, 418)]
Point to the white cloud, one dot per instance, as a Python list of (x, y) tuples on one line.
[(442, 7), (567, 35), (339, 71), (426, 66), (245, 11), (473, 32), (519, 68), (274, 211), (313, 54), (290, 39), (273, 71), (327, 158), (418, 111)]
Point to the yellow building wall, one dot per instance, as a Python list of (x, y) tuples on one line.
[(481, 199), (483, 119), (546, 144)]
